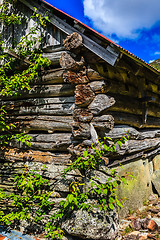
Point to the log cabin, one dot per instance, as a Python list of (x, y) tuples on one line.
[(93, 88)]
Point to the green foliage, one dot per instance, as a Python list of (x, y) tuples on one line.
[(20, 81), (30, 200), (13, 82), (97, 194), (6, 14), (31, 197)]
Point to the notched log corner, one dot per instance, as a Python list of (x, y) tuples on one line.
[(103, 123), (73, 41), (76, 78), (94, 75), (99, 86), (81, 130), (82, 115), (101, 103), (83, 95), (67, 62)]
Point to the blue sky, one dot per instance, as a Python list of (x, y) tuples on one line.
[(133, 24)]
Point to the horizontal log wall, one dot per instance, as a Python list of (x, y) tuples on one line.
[(73, 103), (46, 114), (47, 109), (130, 99), (69, 107)]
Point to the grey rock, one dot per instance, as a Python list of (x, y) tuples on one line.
[(145, 222), (132, 236), (155, 180), (124, 224), (95, 225), (94, 136), (137, 224), (152, 197), (156, 220), (67, 238)]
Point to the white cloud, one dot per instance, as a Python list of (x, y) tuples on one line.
[(125, 18), (157, 53)]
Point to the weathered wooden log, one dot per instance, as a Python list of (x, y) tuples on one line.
[(82, 115), (126, 89), (81, 130), (121, 130), (63, 119), (37, 102), (41, 125), (122, 87), (133, 146), (45, 91), (44, 146), (73, 41), (129, 105), (67, 62), (13, 54), (124, 75), (99, 87), (133, 157), (54, 57), (79, 148), (52, 109), (49, 142), (103, 123), (50, 138), (134, 120), (118, 74), (52, 90), (133, 105), (83, 95), (151, 82), (52, 76), (94, 75), (16, 155), (100, 103), (149, 133), (75, 78)]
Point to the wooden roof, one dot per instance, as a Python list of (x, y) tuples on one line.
[(104, 49), (100, 36)]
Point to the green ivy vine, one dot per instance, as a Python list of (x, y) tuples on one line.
[(13, 81)]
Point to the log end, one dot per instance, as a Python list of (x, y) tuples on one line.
[(73, 41)]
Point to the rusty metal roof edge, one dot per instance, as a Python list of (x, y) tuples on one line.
[(124, 51)]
